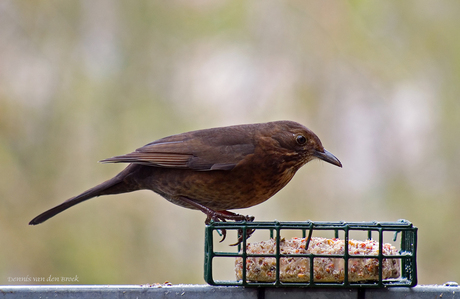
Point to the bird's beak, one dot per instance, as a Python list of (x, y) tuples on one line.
[(328, 157)]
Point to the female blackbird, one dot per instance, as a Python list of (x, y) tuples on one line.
[(213, 170)]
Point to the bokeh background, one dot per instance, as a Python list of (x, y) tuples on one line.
[(80, 81)]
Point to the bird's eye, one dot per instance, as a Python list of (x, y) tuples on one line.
[(301, 139)]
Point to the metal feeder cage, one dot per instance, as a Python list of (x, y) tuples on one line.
[(406, 253)]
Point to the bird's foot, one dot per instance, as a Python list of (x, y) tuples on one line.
[(222, 216)]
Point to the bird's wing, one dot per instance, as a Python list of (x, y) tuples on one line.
[(199, 150)]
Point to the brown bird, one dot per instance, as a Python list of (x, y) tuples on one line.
[(213, 170)]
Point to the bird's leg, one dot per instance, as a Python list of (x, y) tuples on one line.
[(221, 216)]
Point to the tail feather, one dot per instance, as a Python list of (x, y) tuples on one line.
[(112, 186)]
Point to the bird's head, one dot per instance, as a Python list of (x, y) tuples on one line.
[(302, 145)]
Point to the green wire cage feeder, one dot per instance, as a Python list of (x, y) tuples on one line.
[(312, 254)]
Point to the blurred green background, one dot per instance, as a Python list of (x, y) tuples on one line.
[(80, 81)]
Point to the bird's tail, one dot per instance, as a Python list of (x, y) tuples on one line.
[(113, 186)]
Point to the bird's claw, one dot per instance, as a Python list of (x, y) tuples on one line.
[(224, 234), (222, 216), (249, 232)]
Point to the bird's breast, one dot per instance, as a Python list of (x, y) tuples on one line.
[(242, 187)]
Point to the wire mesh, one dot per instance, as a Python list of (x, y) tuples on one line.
[(405, 252)]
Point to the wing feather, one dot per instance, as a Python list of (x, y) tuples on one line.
[(155, 159), (217, 149)]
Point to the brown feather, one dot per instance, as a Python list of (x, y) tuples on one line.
[(197, 150)]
